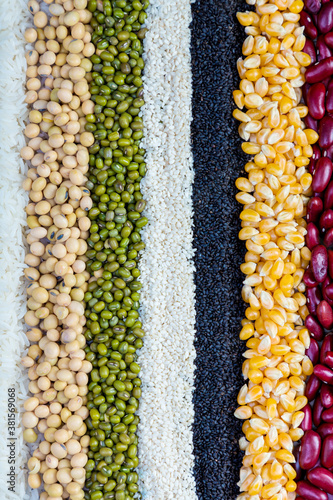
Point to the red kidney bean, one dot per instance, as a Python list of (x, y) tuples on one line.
[(316, 101), (316, 152), (313, 351), (319, 71), (326, 219), (319, 263), (312, 164), (325, 132), (326, 396), (317, 411), (328, 198), (313, 298), (314, 209), (325, 18), (312, 6), (310, 28), (328, 152), (328, 359), (323, 373), (309, 492), (329, 290), (330, 263), (306, 424), (322, 478), (323, 171), (309, 278), (314, 327), (312, 237), (310, 449), (329, 39), (323, 50), (325, 430), (296, 465), (329, 97), (325, 314), (312, 387), (327, 415), (325, 297), (326, 346), (310, 49), (306, 87), (327, 452)]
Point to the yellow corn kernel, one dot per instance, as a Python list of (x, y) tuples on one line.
[(291, 486), (258, 362), (245, 18), (254, 394), (259, 425), (285, 441), (240, 116), (250, 148), (300, 401), (303, 58), (296, 434), (307, 366), (256, 486), (270, 489), (297, 419), (311, 135), (246, 332), (243, 412), (245, 368), (276, 471), (301, 161), (238, 98), (286, 456), (250, 215), (285, 104), (248, 45), (253, 75), (252, 343)]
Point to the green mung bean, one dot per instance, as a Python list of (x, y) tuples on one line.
[(114, 330)]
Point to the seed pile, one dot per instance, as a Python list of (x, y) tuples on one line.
[(167, 297), (216, 39), (314, 458), (274, 196), (57, 95), (116, 167)]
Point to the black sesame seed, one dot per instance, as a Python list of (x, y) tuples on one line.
[(218, 161)]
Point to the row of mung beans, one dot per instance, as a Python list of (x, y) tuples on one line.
[(116, 166)]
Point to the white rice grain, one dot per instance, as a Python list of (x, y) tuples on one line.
[(14, 19), (167, 358)]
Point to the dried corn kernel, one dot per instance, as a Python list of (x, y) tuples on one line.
[(274, 195)]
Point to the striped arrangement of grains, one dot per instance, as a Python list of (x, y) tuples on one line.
[(274, 194)]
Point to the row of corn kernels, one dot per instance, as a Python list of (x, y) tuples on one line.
[(274, 196)]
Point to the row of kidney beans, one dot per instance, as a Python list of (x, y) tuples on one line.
[(314, 456)]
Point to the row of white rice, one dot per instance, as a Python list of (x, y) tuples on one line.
[(14, 18), (167, 358)]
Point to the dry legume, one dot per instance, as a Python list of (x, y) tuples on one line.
[(113, 132), (56, 217)]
